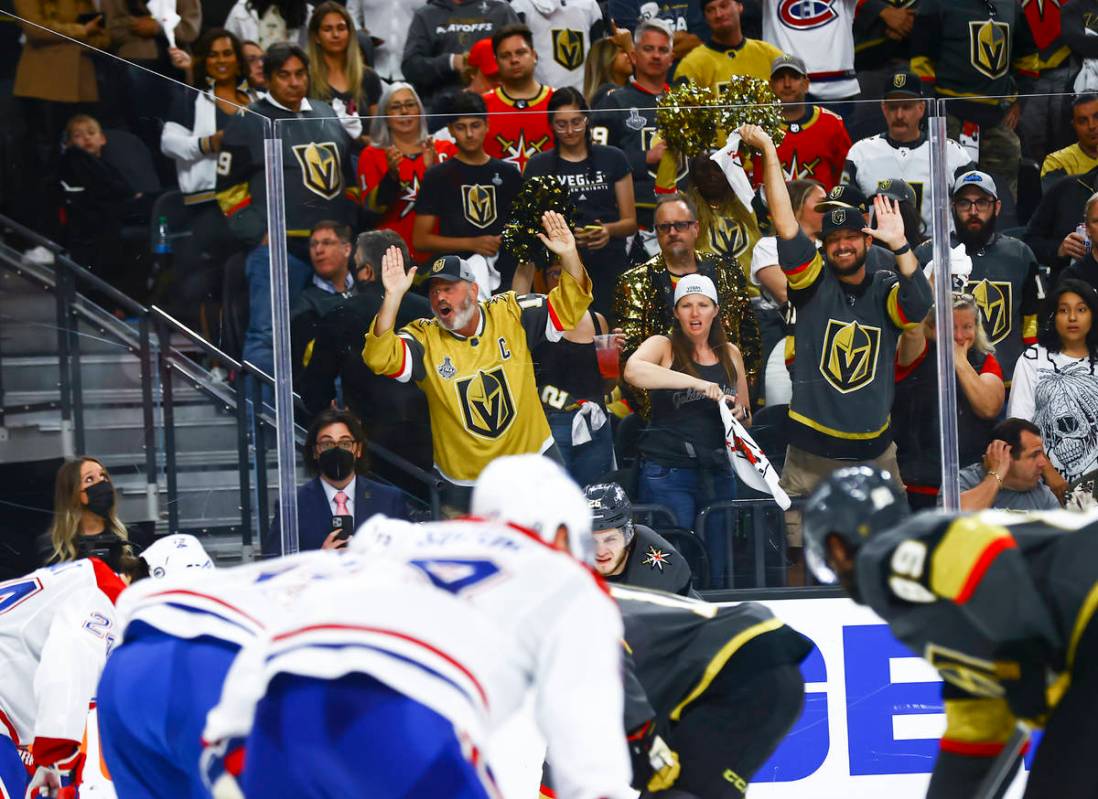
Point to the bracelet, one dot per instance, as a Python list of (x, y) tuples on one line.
[(905, 249), (997, 477)]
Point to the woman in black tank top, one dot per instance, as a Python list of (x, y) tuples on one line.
[(684, 464)]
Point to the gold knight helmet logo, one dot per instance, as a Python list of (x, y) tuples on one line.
[(567, 48), (849, 358), (995, 300), (320, 168), (479, 204), (728, 236), (989, 42), (486, 404)]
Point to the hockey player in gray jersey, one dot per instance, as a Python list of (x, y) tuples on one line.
[(1001, 604)]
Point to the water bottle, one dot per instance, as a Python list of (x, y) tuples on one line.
[(1081, 232), (162, 253)]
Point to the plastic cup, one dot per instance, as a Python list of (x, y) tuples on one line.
[(607, 353)]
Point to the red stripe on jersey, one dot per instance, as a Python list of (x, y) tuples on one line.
[(553, 316), (402, 636), (215, 600), (929, 491), (994, 549), (9, 727), (109, 582), (240, 206), (797, 269), (403, 360), (975, 749)]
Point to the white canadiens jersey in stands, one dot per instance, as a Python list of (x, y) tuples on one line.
[(562, 37), (822, 33), (876, 159), (56, 629), (564, 634)]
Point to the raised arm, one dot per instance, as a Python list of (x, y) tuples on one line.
[(397, 282), (777, 195)]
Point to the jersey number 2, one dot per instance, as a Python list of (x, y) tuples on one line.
[(456, 576), (15, 592)]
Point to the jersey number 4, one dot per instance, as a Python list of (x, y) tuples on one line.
[(457, 576), (15, 592)]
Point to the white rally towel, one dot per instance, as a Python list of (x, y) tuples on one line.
[(163, 11), (488, 277), (591, 417), (750, 463), (728, 159)]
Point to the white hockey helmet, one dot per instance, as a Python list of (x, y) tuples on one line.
[(536, 493), (174, 554)]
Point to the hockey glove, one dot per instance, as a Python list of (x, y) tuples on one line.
[(46, 783), (655, 764)]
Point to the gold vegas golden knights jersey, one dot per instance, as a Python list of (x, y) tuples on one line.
[(480, 390)]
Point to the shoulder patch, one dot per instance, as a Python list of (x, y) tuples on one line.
[(656, 558)]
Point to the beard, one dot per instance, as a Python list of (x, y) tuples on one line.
[(974, 239), (461, 316), (844, 271)]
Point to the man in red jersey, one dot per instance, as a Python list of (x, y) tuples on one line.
[(518, 120)]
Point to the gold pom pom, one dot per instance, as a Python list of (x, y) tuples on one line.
[(520, 234), (750, 101), (688, 119)]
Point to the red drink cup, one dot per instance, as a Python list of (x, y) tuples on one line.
[(608, 355)]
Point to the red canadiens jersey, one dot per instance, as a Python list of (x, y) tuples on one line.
[(399, 210), (814, 147), (518, 129)]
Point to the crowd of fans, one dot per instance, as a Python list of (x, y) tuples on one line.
[(411, 126)]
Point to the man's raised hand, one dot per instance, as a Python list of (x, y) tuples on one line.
[(393, 277), (557, 238), (890, 224)]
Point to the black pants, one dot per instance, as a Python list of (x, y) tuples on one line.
[(727, 734)]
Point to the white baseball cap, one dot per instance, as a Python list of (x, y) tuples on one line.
[(696, 284)]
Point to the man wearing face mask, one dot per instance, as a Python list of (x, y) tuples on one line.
[(335, 502)]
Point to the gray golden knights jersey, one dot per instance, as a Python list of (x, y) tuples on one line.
[(654, 563), (677, 646), (871, 161), (996, 601), (1005, 284)]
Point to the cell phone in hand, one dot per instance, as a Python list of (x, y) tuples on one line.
[(346, 526)]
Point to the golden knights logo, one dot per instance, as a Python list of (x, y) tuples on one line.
[(728, 237), (994, 298), (849, 358), (974, 675), (519, 152), (648, 135), (486, 404), (409, 192), (321, 171), (568, 49), (478, 203), (989, 43)]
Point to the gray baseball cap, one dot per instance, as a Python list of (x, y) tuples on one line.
[(787, 61), (981, 180)]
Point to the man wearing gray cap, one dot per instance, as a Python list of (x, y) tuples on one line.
[(848, 326), (1003, 280), (816, 140), (472, 360)]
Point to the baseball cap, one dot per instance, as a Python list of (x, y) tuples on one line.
[(787, 61), (842, 218), (845, 195), (896, 189), (482, 57), (696, 284), (451, 268), (904, 84), (981, 180)]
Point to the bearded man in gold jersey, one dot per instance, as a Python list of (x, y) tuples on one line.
[(472, 359)]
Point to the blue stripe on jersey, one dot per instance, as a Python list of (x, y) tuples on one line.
[(204, 612)]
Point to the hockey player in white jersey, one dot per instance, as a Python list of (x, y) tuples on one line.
[(57, 626), (904, 151), (560, 633)]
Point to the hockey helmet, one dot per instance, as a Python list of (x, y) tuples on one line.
[(536, 493), (610, 508), (174, 554), (853, 503)]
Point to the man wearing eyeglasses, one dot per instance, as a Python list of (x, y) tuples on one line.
[(644, 299), (332, 505), (1003, 280)]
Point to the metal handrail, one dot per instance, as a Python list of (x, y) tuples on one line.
[(701, 525), (155, 321)]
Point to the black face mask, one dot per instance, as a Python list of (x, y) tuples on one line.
[(100, 498), (336, 463)]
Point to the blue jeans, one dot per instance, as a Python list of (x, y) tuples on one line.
[(586, 463), (686, 491), (258, 339)]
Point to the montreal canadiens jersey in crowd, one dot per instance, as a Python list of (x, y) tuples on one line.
[(822, 33), (481, 390), (879, 158), (395, 198), (517, 129), (563, 32), (563, 631), (392, 623), (996, 601), (57, 626)]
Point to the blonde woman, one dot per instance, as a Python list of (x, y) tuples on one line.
[(84, 515), (338, 74), (608, 67), (980, 397)]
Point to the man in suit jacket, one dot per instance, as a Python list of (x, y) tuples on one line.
[(334, 450)]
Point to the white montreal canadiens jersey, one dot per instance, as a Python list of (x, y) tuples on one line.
[(562, 37), (875, 159), (563, 634), (56, 629), (822, 33)]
